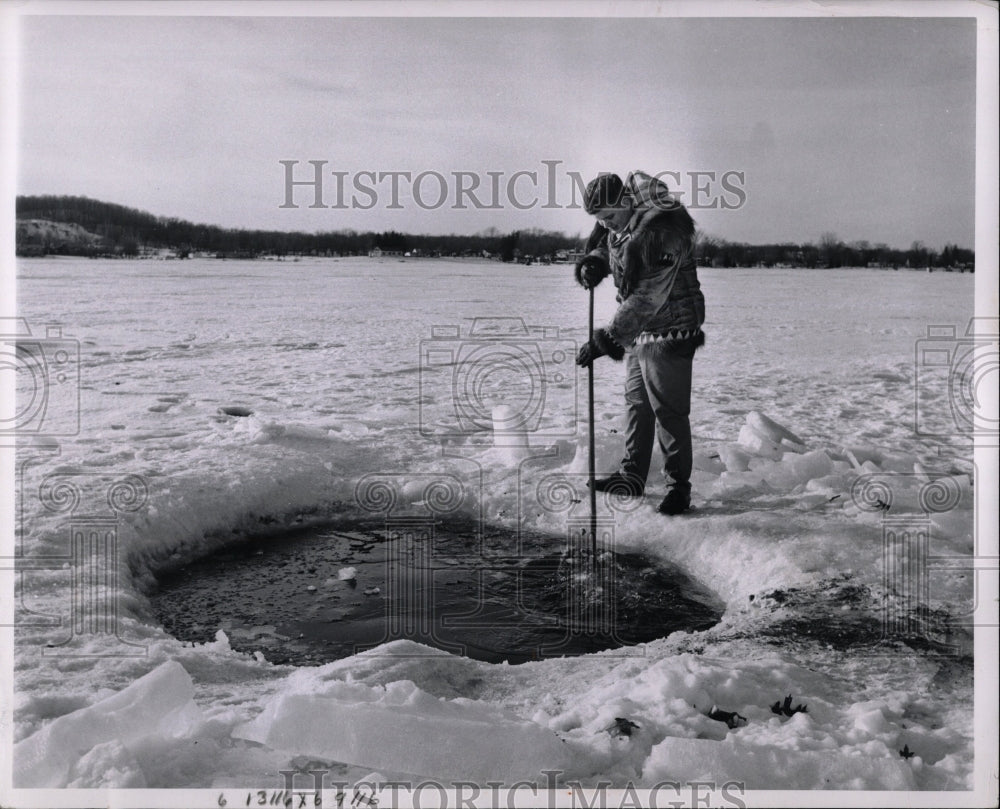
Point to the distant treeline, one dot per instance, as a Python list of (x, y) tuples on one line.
[(130, 232), (830, 252), (89, 227)]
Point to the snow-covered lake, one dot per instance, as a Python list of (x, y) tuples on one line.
[(348, 367)]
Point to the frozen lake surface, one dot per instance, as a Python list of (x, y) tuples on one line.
[(220, 401)]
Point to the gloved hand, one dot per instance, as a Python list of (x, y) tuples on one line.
[(601, 345), (591, 270), (587, 354)]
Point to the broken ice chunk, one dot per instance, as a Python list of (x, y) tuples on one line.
[(706, 463), (771, 429), (758, 444), (735, 459)]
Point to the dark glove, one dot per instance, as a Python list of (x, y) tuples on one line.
[(591, 270), (600, 345)]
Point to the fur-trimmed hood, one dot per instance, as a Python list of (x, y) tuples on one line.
[(652, 262), (659, 225)]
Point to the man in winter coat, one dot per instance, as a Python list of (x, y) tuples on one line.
[(644, 239)]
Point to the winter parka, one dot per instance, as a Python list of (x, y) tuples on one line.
[(652, 263)]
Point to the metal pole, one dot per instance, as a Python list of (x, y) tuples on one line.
[(590, 426)]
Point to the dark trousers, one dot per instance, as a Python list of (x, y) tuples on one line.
[(658, 395)]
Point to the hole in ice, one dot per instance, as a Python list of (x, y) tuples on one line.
[(327, 593), (236, 410)]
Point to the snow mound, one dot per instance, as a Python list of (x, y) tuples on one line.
[(264, 431), (107, 766), (772, 768), (154, 706), (387, 727)]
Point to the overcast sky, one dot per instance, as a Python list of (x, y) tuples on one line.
[(862, 127)]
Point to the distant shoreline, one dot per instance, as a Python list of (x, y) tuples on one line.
[(555, 265), (66, 225)]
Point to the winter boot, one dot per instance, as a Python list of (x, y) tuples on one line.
[(677, 501), (619, 484)]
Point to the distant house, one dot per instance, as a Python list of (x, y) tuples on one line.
[(378, 252)]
